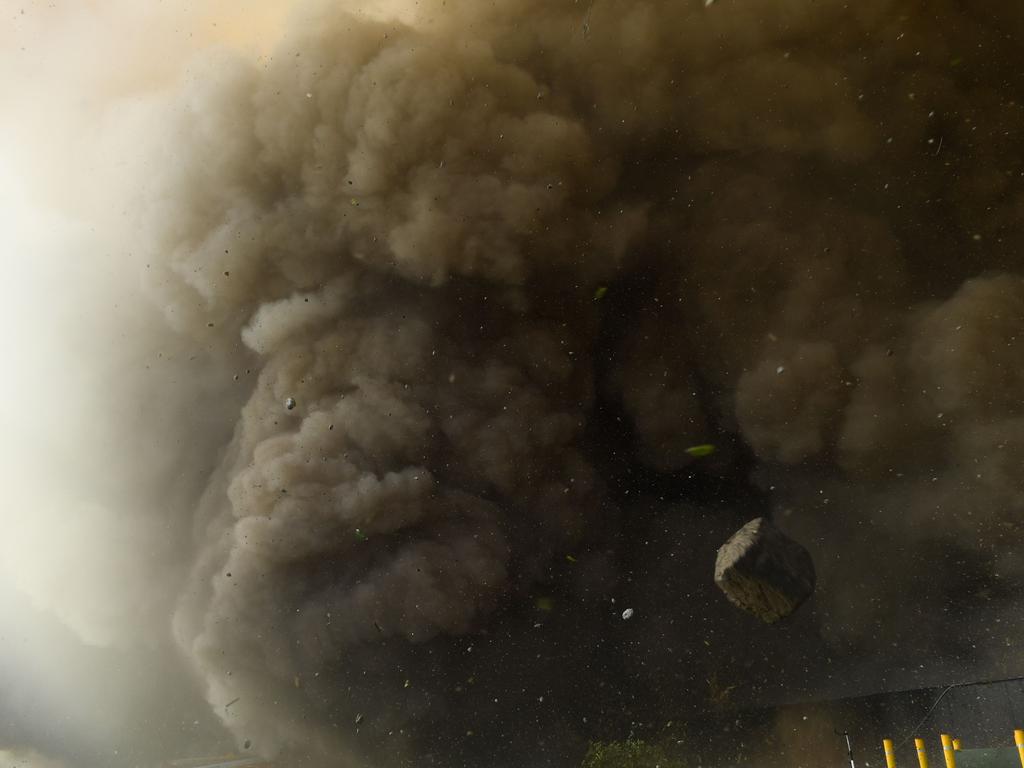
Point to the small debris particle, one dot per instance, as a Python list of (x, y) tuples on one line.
[(232, 702), (247, 743), (359, 718), (545, 604), (600, 292), (289, 403), (360, 535), (570, 558), (698, 451), (627, 614), (780, 369)]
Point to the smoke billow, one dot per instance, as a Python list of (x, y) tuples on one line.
[(444, 300)]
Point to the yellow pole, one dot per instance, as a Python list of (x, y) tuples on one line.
[(890, 754), (947, 750), (1018, 737), (922, 755), (956, 745)]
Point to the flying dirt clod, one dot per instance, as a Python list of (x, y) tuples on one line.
[(764, 572)]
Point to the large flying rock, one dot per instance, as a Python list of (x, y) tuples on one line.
[(763, 571)]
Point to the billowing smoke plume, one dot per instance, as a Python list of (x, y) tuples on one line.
[(450, 297)]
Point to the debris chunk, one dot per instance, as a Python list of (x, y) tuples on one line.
[(627, 614), (764, 572), (289, 403)]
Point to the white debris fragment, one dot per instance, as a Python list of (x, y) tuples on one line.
[(289, 403), (627, 614)]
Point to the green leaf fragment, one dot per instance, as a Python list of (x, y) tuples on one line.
[(697, 451)]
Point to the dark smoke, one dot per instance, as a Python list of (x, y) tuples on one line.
[(510, 261)]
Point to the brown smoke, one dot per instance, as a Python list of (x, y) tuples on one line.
[(447, 299)]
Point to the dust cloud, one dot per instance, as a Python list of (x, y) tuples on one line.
[(384, 332)]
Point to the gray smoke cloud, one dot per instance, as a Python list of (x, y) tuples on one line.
[(27, 759), (432, 308)]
